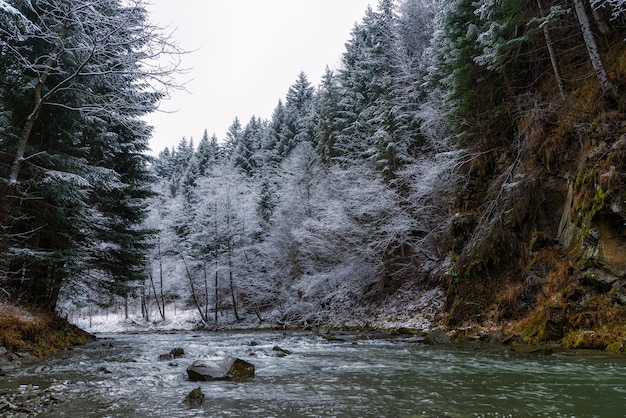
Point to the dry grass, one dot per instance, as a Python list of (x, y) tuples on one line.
[(37, 333)]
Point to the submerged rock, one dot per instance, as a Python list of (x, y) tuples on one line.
[(281, 351), (174, 353), (195, 398), (230, 368), (177, 352), (437, 337)]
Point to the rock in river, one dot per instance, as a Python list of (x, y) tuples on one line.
[(437, 337), (195, 398), (174, 353), (230, 368)]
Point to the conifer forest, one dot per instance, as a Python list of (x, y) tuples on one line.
[(464, 166)]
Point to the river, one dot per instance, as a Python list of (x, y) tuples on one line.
[(120, 376)]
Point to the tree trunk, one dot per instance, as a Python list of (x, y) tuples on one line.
[(154, 292), (552, 51), (144, 301), (232, 284), (161, 311), (601, 18), (217, 303), (194, 295), (206, 293), (592, 49)]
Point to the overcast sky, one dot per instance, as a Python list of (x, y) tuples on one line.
[(247, 55)]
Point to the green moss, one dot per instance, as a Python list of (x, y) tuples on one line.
[(616, 347), (584, 339)]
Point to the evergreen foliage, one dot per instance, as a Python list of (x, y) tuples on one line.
[(311, 211), (407, 165), (72, 148)]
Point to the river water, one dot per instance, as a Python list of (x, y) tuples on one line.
[(120, 376)]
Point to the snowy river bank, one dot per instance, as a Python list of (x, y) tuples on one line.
[(121, 375)]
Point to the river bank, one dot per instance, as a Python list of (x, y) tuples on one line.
[(27, 335)]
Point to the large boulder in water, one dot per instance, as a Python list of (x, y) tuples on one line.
[(230, 368)]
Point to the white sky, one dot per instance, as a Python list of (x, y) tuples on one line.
[(247, 55)]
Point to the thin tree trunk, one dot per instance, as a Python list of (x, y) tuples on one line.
[(230, 258), (232, 294), (216, 254), (232, 284), (194, 295), (162, 312), (552, 51), (217, 304), (145, 313), (592, 49), (156, 297), (206, 293)]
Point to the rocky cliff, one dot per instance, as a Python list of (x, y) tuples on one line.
[(538, 236)]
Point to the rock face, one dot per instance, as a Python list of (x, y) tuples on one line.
[(605, 250), (230, 368)]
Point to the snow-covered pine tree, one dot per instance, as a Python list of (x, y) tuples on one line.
[(75, 91)]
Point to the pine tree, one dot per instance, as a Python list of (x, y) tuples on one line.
[(207, 152), (299, 123), (328, 97), (367, 115), (75, 91), (244, 155), (233, 136)]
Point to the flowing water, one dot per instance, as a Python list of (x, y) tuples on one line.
[(121, 376)]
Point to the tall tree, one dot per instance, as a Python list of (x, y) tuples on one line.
[(299, 123), (328, 98), (207, 152), (593, 50), (367, 116), (80, 78)]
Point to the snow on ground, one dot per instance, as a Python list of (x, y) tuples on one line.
[(405, 309), (107, 322)]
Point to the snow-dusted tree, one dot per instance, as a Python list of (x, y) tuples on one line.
[(246, 152), (233, 136), (275, 133), (225, 224), (593, 50), (277, 257), (415, 28), (299, 121), (334, 235), (328, 97), (368, 109), (79, 76), (208, 152)]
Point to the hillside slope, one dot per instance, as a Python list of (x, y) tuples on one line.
[(538, 236)]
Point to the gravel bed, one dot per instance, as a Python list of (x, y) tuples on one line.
[(28, 401)]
